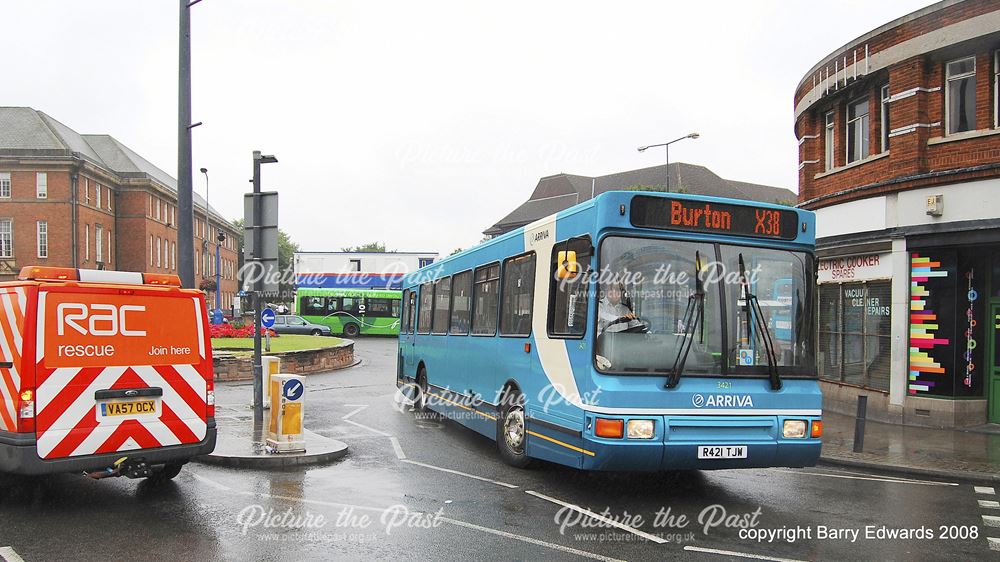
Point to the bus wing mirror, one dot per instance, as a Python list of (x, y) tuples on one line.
[(568, 267)]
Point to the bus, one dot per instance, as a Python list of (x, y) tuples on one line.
[(626, 333), (351, 311)]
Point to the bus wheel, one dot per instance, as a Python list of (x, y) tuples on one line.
[(512, 435), (420, 400), (351, 330)]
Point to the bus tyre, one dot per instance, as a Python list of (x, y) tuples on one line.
[(166, 472), (420, 400), (512, 435), (351, 330)]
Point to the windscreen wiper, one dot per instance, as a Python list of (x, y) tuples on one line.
[(752, 309), (692, 318)]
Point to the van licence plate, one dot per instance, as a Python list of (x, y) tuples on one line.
[(131, 408), (722, 451)]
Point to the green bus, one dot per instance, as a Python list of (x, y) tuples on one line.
[(351, 311)]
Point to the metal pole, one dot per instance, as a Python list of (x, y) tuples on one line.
[(859, 424), (185, 234), (666, 148), (218, 278), (258, 401)]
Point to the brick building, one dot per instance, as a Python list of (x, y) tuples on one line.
[(899, 155), (89, 201)]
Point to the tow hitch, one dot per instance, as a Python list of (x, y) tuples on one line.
[(123, 467)]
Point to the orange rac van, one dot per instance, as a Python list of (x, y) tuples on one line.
[(105, 372)]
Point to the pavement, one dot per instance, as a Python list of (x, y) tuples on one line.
[(970, 454)]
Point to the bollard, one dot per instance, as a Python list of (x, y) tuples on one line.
[(859, 424), (285, 433)]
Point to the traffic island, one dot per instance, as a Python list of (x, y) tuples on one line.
[(241, 445), (234, 363)]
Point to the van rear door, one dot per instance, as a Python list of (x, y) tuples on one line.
[(119, 369)]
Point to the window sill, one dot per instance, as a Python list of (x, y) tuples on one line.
[(854, 164), (963, 136)]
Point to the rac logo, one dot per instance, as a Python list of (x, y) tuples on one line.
[(722, 400), (97, 319)]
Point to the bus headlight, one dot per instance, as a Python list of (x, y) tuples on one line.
[(794, 429), (640, 429)]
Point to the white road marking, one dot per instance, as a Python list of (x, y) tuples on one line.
[(530, 540), (600, 518), (739, 554), (448, 520), (874, 478), (8, 554), (991, 521), (984, 490), (399, 450), (363, 426), (989, 503), (994, 543), (450, 471), (886, 476), (352, 412), (210, 482)]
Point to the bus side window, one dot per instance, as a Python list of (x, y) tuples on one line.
[(424, 313), (485, 300), (518, 292), (461, 302), (568, 297), (404, 320), (411, 311)]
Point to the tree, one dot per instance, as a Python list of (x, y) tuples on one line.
[(455, 251), (369, 247)]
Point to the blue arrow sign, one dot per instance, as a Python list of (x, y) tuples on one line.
[(292, 390), (267, 317)]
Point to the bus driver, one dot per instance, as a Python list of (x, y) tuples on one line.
[(613, 316)]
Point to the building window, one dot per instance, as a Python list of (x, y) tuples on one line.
[(86, 242), (41, 185), (857, 130), (166, 253), (960, 95), (828, 141), (173, 256), (355, 265), (424, 262), (996, 89), (5, 185), (150, 249), (97, 195), (99, 243), (109, 246), (885, 117), (86, 190), (43, 239), (157, 214), (6, 238), (172, 215), (109, 197), (159, 255), (855, 333)]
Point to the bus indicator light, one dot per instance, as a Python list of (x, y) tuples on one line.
[(817, 429), (612, 429)]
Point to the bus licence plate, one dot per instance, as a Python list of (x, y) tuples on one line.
[(722, 451), (134, 408)]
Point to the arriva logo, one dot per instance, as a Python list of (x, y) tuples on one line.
[(98, 320), (722, 400)]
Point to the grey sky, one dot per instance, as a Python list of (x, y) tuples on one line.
[(422, 123)]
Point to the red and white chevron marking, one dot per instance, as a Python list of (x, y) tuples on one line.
[(12, 305), (68, 423)]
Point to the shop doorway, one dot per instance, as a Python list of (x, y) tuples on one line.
[(993, 379)]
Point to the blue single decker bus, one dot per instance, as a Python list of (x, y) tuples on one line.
[(634, 331)]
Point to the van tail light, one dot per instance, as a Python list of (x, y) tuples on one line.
[(210, 399), (26, 412)]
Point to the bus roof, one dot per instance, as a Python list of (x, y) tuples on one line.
[(805, 237)]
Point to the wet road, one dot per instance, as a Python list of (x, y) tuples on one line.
[(430, 489)]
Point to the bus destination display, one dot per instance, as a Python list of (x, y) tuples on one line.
[(702, 216)]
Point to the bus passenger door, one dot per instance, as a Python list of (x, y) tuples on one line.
[(405, 356)]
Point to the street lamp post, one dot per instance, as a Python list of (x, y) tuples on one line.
[(258, 404), (666, 148), (217, 313)]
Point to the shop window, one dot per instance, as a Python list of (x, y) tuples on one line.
[(855, 322)]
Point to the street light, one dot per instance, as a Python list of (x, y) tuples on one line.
[(217, 313), (258, 407), (666, 147)]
